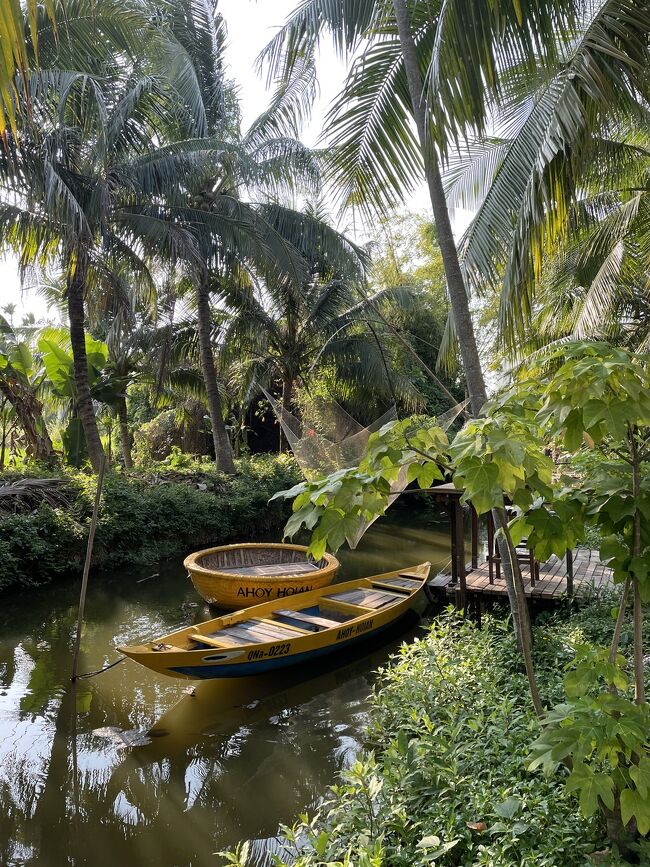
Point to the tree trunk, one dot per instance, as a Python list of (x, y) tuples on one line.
[(29, 412), (455, 282), (3, 439), (84, 402), (287, 401), (125, 434), (518, 606), (639, 669), (222, 447), (462, 319), (618, 626)]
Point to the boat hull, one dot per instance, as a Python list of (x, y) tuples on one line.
[(232, 590), (189, 653), (250, 669)]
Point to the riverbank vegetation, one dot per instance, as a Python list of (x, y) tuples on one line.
[(146, 516), (445, 778)]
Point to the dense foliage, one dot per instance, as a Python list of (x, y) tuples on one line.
[(444, 779), (145, 518)]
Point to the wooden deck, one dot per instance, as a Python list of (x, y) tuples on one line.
[(589, 575)]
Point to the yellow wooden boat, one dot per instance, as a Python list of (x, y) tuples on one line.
[(235, 576), (274, 635)]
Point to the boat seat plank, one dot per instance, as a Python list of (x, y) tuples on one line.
[(390, 585), (366, 598), (287, 629), (405, 581), (261, 630), (325, 622), (221, 643), (259, 624), (271, 569), (276, 630), (254, 634)]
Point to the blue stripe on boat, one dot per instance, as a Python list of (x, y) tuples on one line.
[(242, 669)]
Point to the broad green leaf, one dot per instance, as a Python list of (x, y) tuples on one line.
[(426, 474), (482, 489), (74, 443), (573, 431), (633, 805), (519, 529), (591, 786), (508, 808), (641, 776), (20, 358), (435, 843), (614, 414)]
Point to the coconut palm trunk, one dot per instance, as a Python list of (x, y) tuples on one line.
[(287, 403), (455, 282), (222, 448), (84, 402), (29, 412), (125, 434), (464, 327)]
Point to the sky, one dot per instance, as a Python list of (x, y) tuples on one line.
[(251, 24)]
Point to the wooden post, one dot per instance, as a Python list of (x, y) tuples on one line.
[(459, 527), (474, 537), (452, 503), (490, 545), (84, 579), (569, 573)]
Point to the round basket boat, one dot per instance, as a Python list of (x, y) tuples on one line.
[(236, 576)]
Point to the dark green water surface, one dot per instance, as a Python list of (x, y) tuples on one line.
[(132, 770)]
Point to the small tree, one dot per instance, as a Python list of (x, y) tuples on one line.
[(598, 398)]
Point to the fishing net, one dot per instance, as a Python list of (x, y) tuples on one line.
[(329, 439)]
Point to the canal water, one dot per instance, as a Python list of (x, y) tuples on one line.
[(130, 768)]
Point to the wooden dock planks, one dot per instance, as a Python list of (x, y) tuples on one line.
[(589, 575)]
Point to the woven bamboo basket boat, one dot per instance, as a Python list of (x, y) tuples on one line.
[(236, 576)]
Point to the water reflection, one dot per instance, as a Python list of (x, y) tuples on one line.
[(231, 761)]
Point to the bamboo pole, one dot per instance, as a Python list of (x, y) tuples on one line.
[(84, 580)]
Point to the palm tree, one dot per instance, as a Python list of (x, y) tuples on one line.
[(294, 333), (596, 285), (427, 62), (421, 61), (89, 157), (570, 151), (230, 203), (16, 57)]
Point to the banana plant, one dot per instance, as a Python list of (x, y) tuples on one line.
[(105, 388), (20, 380)]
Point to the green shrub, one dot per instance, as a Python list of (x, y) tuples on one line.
[(144, 518), (444, 778), (37, 547)]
